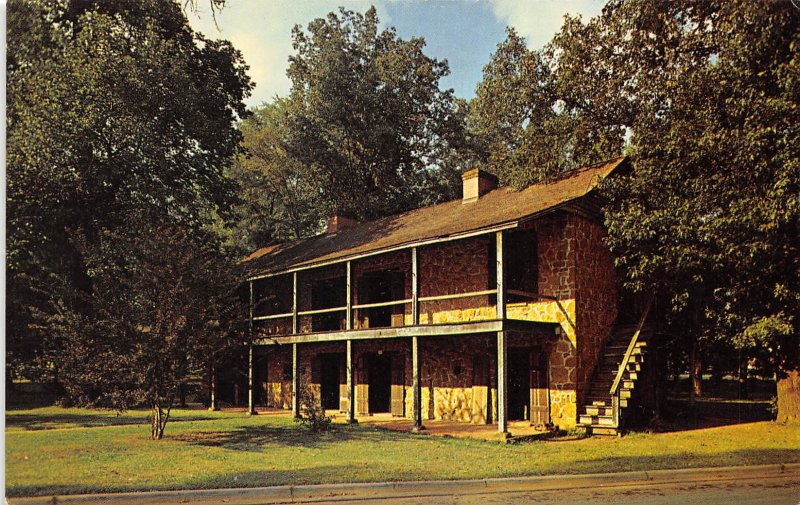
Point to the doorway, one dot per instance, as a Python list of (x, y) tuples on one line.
[(380, 383), (329, 380), (519, 384), (378, 287)]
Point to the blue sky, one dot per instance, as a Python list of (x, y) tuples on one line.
[(465, 32)]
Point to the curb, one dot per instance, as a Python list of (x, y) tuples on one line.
[(381, 490)]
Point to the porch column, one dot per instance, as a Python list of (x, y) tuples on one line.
[(351, 390), (501, 278), (502, 383), (416, 386), (414, 288), (349, 298), (294, 303), (295, 384)]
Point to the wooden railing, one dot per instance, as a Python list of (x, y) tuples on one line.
[(626, 361)]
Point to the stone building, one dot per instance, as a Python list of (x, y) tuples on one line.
[(490, 308)]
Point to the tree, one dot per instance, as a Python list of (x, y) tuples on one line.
[(530, 123), (277, 200), (709, 216), (367, 116), (164, 304), (113, 108)]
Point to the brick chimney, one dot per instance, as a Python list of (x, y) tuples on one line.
[(477, 183), (337, 223)]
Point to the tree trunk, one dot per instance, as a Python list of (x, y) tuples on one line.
[(695, 374), (789, 397), (158, 420), (743, 394)]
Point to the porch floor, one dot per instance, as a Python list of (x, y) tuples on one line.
[(435, 427)]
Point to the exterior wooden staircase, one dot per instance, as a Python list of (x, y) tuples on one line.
[(614, 381)]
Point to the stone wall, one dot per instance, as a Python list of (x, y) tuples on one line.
[(595, 296)]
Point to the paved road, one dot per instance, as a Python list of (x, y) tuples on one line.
[(780, 491), (757, 485)]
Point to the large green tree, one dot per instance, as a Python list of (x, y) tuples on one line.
[(117, 111), (530, 123), (164, 304), (277, 198), (368, 118), (709, 216)]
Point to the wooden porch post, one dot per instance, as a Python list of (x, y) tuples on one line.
[(502, 345), (416, 385), (349, 322), (414, 288), (295, 384), (502, 383), (351, 390), (294, 303)]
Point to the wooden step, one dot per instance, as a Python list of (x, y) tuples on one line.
[(597, 410)]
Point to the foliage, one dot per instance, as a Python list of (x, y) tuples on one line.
[(709, 215), (312, 413), (526, 118), (163, 302), (367, 117), (115, 110), (278, 201)]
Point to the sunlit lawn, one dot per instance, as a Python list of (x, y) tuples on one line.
[(233, 450)]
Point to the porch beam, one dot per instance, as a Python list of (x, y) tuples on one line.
[(295, 384), (416, 385), (351, 389), (423, 330), (502, 382)]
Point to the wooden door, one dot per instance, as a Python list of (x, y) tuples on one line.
[(398, 385), (480, 390), (362, 386), (344, 400), (540, 392)]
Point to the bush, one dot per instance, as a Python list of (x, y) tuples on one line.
[(312, 415)]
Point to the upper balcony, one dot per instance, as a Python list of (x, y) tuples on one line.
[(441, 289)]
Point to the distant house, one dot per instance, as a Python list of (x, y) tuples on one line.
[(498, 306)]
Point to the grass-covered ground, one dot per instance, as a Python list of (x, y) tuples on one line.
[(54, 450)]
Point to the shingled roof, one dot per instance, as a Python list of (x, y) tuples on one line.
[(502, 206)]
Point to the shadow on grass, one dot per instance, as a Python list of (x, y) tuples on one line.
[(45, 421), (712, 413), (91, 419), (254, 438)]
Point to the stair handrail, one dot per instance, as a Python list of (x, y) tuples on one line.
[(631, 346)]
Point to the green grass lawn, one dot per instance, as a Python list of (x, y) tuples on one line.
[(100, 452)]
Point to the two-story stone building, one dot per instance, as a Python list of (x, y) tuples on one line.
[(484, 309)]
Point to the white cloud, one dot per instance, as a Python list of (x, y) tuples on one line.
[(262, 30), (539, 20)]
